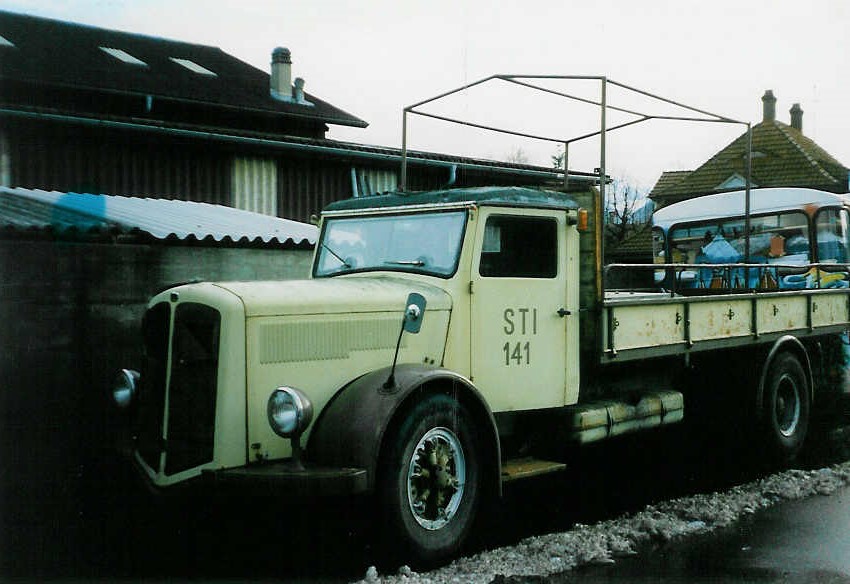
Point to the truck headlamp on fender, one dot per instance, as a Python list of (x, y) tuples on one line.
[(290, 412), (125, 388)]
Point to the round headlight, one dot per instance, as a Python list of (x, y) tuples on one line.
[(125, 388), (290, 411)]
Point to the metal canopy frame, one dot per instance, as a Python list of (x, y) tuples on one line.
[(528, 81)]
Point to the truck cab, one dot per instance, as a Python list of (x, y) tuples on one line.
[(507, 259)]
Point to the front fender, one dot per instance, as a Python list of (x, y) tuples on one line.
[(351, 429)]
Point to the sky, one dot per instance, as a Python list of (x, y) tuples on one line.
[(372, 58)]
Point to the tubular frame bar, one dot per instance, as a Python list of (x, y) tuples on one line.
[(523, 80)]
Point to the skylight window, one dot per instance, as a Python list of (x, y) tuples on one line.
[(4, 42), (123, 56), (193, 67)]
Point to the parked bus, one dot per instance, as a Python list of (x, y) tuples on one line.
[(798, 239)]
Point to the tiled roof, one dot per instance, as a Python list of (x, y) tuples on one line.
[(80, 215), (67, 55), (782, 157), (669, 179), (638, 244)]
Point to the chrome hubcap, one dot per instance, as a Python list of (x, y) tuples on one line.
[(787, 406), (436, 478)]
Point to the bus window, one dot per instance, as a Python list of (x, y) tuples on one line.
[(832, 235), (832, 245), (781, 238)]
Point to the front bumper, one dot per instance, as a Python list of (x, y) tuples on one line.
[(271, 478), (284, 478)]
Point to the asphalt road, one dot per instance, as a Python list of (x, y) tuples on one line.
[(803, 541)]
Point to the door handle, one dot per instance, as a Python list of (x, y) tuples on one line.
[(562, 312)]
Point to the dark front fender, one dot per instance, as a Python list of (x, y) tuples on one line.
[(352, 428)]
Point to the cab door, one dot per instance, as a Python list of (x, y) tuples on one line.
[(518, 336)]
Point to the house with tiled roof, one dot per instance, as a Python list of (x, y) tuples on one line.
[(782, 156)]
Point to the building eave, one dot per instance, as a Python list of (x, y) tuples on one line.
[(339, 150)]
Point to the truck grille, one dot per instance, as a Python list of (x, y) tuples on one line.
[(152, 383), (192, 392), (188, 439)]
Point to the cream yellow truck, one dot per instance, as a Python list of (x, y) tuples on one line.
[(445, 343)]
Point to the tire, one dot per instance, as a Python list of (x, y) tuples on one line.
[(785, 408), (429, 483)]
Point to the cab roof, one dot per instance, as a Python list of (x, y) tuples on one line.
[(495, 196)]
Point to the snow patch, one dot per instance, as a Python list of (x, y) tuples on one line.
[(605, 541)]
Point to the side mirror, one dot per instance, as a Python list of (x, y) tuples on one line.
[(414, 312), (410, 322)]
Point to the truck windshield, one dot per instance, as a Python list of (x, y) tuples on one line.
[(425, 243)]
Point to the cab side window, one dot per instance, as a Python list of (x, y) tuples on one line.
[(519, 247)]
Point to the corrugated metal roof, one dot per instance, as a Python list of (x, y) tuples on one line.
[(70, 213)]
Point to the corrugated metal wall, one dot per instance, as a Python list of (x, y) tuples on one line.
[(306, 186), (77, 159), (425, 178), (254, 184), (74, 158), (372, 181)]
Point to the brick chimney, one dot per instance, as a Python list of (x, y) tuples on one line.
[(769, 106), (281, 77), (797, 117)]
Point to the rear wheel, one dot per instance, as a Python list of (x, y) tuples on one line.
[(429, 485), (785, 408)]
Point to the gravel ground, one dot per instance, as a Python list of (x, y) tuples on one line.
[(605, 541)]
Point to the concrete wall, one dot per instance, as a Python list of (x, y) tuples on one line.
[(69, 318)]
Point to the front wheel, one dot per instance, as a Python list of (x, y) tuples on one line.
[(429, 484), (785, 408)]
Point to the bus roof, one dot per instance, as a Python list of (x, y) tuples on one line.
[(732, 204)]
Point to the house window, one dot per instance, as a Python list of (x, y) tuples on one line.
[(735, 181), (193, 67), (123, 56)]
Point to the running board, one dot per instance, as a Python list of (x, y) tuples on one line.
[(523, 468), (595, 421)]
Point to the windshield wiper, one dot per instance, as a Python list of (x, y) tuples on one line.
[(417, 263), (344, 263)]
